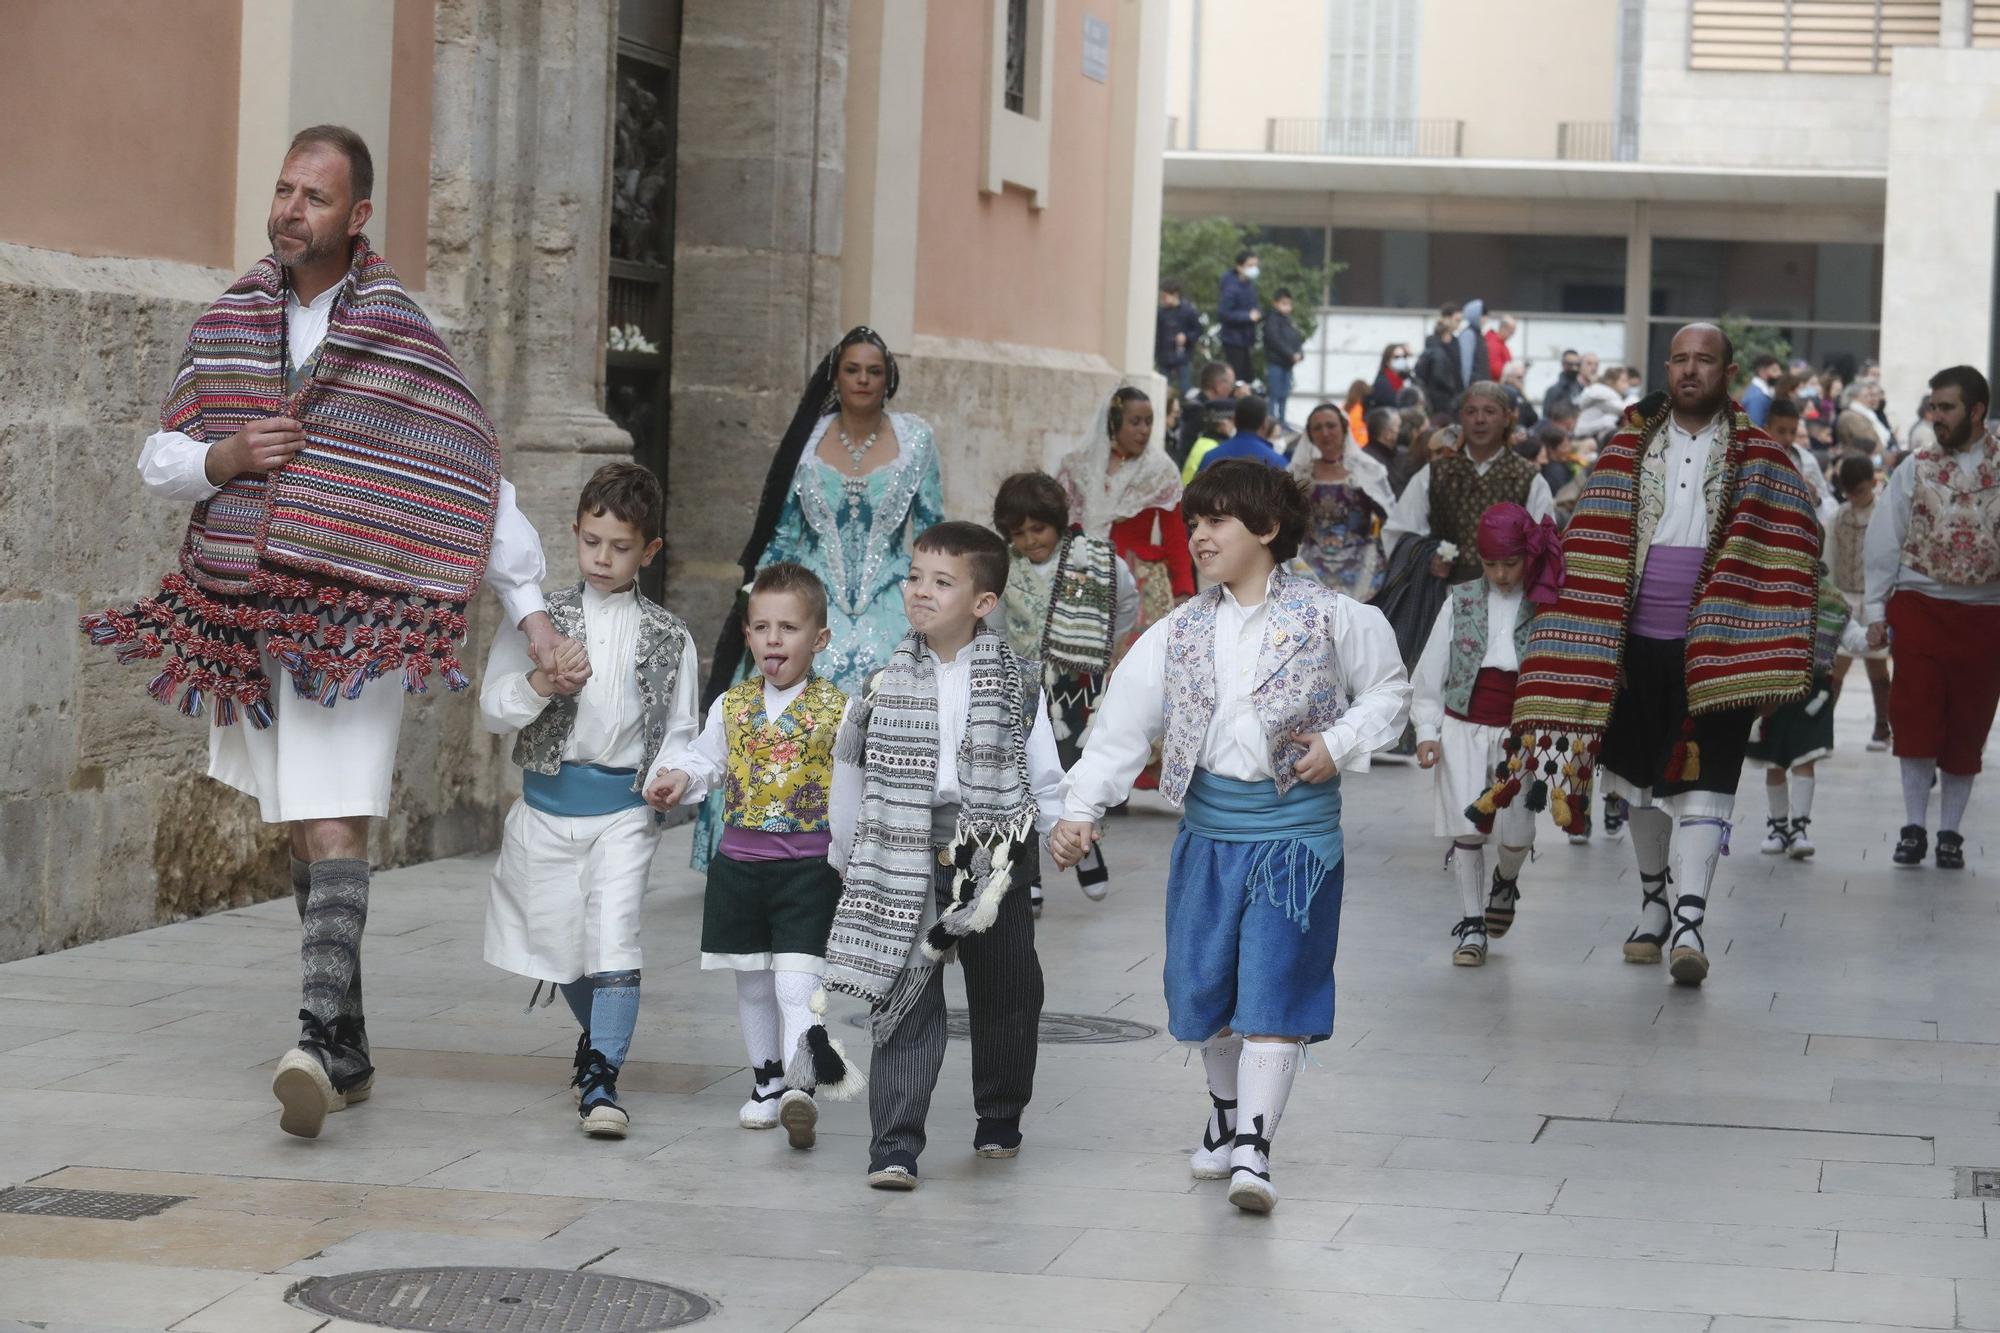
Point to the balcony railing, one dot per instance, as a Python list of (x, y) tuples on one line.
[(1597, 140), (1365, 138)]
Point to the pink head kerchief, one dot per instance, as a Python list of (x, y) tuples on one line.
[(1506, 531)]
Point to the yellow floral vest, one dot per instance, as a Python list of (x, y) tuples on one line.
[(780, 770)]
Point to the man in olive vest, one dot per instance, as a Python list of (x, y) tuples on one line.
[(1446, 498)]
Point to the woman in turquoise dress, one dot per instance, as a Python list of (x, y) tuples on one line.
[(852, 485)]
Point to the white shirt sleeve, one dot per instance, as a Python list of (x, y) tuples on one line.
[(703, 759), (1541, 500), (515, 567), (506, 701), (173, 467), (682, 720), (1045, 770), (843, 810), (1427, 697), (1377, 686), (1129, 719), (1413, 510), (1882, 552), (1128, 600)]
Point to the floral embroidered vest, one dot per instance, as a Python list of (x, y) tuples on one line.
[(1299, 684), (657, 660), (780, 770), (1460, 493), (1954, 530), (1468, 641)]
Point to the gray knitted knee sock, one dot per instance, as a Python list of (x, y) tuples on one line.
[(330, 962)]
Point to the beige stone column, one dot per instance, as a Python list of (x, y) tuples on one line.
[(520, 245), (757, 242)]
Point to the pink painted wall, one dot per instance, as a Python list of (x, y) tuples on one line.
[(121, 127), (990, 267)]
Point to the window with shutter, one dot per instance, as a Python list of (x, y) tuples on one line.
[(1812, 36)]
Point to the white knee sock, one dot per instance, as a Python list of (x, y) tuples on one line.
[(795, 1015), (757, 1008), (1917, 774), (1652, 830), (1510, 861), (1802, 797), (1468, 866), (1697, 846), (1954, 790), (1780, 798), (1263, 1085), (1220, 1057)]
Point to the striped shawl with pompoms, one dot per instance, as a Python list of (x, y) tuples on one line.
[(1750, 628), (358, 557)]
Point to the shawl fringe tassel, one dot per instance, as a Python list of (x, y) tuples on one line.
[(331, 640)]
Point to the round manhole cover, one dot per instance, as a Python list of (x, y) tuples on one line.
[(1056, 1029), (501, 1300)]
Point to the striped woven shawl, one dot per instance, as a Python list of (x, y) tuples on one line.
[(1750, 630), (358, 557)]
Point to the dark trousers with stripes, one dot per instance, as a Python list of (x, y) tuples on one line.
[(1003, 994)]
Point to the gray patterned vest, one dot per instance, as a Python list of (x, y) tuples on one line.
[(1467, 603), (1459, 495), (1299, 682), (657, 660)]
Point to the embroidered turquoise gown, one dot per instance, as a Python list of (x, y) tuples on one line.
[(855, 533)]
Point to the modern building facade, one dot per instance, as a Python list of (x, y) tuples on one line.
[(1609, 171), (638, 223)]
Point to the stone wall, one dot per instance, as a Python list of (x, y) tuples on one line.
[(757, 242), (998, 409)]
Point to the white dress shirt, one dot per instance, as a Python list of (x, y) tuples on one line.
[(1882, 553), (1503, 611), (609, 730), (705, 758), (954, 688), (173, 466), (1684, 517), (1132, 716), (1413, 508)]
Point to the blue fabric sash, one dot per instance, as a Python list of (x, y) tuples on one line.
[(579, 791), (1301, 830)]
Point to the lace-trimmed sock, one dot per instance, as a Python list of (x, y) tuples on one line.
[(1264, 1077)]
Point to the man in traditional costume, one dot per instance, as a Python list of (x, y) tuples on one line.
[(348, 503), (1933, 567), (1687, 609), (1446, 497)]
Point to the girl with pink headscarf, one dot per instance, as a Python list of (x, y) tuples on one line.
[(1463, 707)]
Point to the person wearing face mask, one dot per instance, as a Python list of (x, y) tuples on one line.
[(1237, 309), (1569, 383), (1389, 375)]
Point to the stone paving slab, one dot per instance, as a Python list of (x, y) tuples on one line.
[(1555, 1143)]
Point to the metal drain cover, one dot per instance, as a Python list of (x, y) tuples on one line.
[(1056, 1029), (501, 1300), (46, 1201), (1978, 1183)]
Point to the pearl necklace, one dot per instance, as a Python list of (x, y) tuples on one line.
[(855, 453)]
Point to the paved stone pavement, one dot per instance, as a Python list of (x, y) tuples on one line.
[(1558, 1141)]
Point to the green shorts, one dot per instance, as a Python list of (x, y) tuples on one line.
[(768, 914)]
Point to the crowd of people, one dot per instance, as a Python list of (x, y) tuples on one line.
[(907, 707)]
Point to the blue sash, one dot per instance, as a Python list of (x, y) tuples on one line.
[(579, 791), (1301, 830)]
